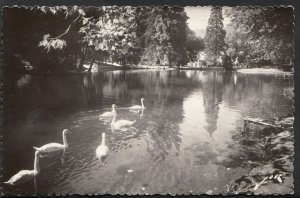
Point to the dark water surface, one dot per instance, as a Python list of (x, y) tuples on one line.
[(186, 141)]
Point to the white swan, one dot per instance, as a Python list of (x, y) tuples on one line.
[(108, 114), (51, 147), (138, 107), (102, 149), (120, 123), (25, 175)]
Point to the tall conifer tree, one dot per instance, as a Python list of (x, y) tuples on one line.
[(215, 34)]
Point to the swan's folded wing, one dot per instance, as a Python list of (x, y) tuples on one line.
[(107, 114), (124, 123), (135, 107), (51, 147)]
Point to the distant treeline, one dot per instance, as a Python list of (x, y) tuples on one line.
[(55, 39)]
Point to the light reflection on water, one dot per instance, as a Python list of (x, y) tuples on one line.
[(184, 142)]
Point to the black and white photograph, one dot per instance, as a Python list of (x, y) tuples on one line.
[(144, 100)]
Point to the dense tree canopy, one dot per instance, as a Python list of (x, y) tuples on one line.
[(69, 37), (268, 30), (115, 32), (238, 46), (165, 36), (110, 29), (60, 38)]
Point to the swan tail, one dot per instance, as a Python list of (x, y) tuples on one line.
[(133, 121), (36, 148), (8, 182)]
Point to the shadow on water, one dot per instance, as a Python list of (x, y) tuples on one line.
[(188, 139)]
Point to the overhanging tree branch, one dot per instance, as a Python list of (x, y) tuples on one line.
[(67, 30)]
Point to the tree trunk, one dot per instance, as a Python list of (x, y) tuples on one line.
[(80, 66), (169, 61), (91, 65), (75, 58), (124, 60)]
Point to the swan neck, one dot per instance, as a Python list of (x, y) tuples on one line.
[(114, 118), (142, 103), (36, 164), (113, 111), (65, 139), (103, 139)]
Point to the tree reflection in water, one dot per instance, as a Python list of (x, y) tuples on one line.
[(190, 131), (212, 97)]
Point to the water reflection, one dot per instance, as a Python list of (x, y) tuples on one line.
[(183, 142), (212, 97)]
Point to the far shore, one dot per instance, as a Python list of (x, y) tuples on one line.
[(110, 66), (113, 66)]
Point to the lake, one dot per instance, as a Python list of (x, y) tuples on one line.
[(187, 141)]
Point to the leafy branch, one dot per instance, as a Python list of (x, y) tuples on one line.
[(56, 42)]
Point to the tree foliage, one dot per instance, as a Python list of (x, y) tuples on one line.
[(165, 36), (238, 46), (65, 38), (110, 29), (215, 33), (194, 45), (268, 30), (58, 42), (24, 29), (157, 34)]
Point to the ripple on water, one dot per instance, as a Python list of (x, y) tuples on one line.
[(184, 142)]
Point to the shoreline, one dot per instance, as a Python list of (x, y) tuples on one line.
[(107, 67), (111, 66), (264, 71)]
